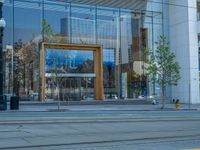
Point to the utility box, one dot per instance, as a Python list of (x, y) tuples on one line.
[(14, 103)]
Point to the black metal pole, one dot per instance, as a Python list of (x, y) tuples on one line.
[(1, 54), (3, 100)]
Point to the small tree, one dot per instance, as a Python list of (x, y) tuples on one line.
[(56, 79), (47, 32), (57, 70), (50, 36), (161, 66)]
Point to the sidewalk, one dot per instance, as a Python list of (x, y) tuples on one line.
[(118, 106)]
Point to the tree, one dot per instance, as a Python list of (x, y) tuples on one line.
[(56, 79), (57, 71), (47, 32), (25, 60), (136, 83), (161, 66), (50, 36)]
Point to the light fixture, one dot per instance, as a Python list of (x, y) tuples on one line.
[(136, 15), (2, 1)]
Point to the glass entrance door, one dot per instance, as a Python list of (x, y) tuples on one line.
[(62, 61), (72, 89), (79, 88)]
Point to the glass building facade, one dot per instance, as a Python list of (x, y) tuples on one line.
[(122, 32)]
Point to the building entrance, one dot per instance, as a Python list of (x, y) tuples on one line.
[(71, 71), (78, 88), (74, 88)]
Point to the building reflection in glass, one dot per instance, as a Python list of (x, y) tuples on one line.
[(122, 33)]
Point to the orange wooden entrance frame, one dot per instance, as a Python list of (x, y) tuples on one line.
[(98, 65)]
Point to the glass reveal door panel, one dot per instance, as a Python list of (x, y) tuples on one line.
[(72, 89), (79, 88), (73, 71), (69, 61)]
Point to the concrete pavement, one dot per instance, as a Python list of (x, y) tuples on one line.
[(100, 127), (40, 106), (100, 130)]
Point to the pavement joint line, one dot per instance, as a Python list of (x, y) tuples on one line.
[(106, 117), (101, 117), (83, 122), (194, 149), (71, 110), (93, 110), (115, 117)]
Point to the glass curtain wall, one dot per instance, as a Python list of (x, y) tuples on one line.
[(131, 56), (198, 10), (83, 24), (108, 36), (153, 21), (122, 33), (8, 47), (55, 21), (27, 35)]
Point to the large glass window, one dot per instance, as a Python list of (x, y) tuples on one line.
[(108, 36), (198, 10), (69, 61), (153, 21), (133, 36), (199, 49), (83, 24), (72, 71), (56, 25), (27, 35), (8, 46), (122, 33)]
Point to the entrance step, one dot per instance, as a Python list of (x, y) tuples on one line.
[(92, 102)]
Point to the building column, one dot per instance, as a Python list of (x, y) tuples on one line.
[(184, 43)]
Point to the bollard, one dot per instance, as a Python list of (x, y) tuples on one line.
[(177, 104)]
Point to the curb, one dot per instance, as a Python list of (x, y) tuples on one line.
[(106, 102)]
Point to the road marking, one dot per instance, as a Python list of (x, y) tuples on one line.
[(194, 149)]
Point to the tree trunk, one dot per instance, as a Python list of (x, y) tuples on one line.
[(163, 96)]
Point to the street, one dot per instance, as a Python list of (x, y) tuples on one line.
[(100, 130)]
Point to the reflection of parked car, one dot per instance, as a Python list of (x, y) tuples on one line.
[(150, 97), (141, 97), (8, 96), (114, 97), (154, 102), (34, 96)]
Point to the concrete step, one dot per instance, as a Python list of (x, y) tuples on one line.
[(91, 102)]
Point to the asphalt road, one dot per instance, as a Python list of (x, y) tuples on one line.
[(100, 130)]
